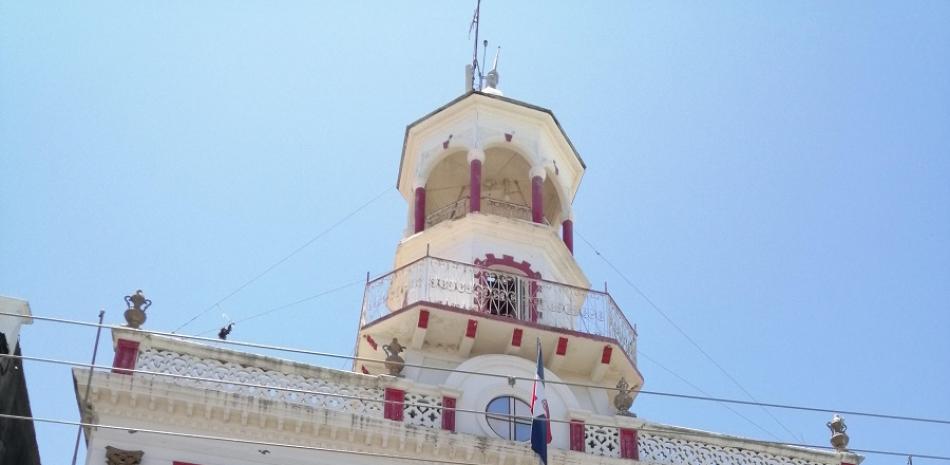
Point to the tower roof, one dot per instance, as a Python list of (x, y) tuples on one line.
[(405, 177)]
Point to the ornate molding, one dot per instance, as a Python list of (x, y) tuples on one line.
[(115, 456)]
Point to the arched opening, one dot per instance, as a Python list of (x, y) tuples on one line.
[(505, 188), (505, 287), (448, 189)]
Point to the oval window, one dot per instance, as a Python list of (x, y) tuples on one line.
[(501, 414)]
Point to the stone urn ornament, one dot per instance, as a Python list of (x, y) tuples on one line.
[(623, 400), (135, 314), (839, 439), (394, 363)]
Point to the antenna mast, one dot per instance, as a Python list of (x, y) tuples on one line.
[(475, 67)]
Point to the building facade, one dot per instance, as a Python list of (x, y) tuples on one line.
[(17, 437), (445, 351)]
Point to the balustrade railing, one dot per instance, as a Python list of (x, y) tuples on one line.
[(483, 290), (489, 206)]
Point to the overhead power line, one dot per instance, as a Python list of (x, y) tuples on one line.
[(494, 375), (313, 239), (291, 304), (376, 454), (682, 332)]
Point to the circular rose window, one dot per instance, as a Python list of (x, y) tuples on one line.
[(501, 413)]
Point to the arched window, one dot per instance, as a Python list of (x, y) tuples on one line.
[(501, 413)]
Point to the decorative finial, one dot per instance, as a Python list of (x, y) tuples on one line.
[(394, 363), (491, 79), (839, 439), (623, 400), (135, 314)]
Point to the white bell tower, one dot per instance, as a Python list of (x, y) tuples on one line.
[(486, 268)]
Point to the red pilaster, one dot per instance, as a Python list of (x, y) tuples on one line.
[(126, 352), (395, 398), (561, 346), (448, 413), (606, 354), (471, 328), (567, 234), (420, 209), (577, 435), (423, 319), (628, 444), (537, 199), (475, 180)]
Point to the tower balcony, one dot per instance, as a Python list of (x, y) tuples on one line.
[(443, 303)]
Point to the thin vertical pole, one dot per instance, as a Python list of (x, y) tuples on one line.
[(85, 397)]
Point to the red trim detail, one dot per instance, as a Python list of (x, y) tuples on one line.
[(628, 444), (577, 435), (516, 337), (448, 413), (392, 409), (605, 357), (420, 210), (567, 234), (475, 186), (471, 328), (364, 370), (372, 342), (126, 353), (423, 319), (537, 199), (561, 346), (508, 137)]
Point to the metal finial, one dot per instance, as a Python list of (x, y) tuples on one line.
[(839, 439), (137, 304), (491, 79)]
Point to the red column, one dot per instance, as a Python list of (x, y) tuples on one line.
[(577, 435), (567, 234), (475, 180), (126, 353), (395, 398), (628, 444), (448, 413), (420, 209), (537, 199)]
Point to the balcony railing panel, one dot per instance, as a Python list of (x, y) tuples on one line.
[(483, 290), (489, 206)]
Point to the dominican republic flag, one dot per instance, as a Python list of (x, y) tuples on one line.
[(540, 426)]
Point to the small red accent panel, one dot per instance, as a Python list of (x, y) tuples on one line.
[(471, 329), (448, 413), (577, 435), (126, 352), (394, 404), (423, 319), (516, 337), (561, 346), (372, 342), (605, 358), (628, 444)]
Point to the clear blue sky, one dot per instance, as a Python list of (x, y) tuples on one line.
[(774, 175)]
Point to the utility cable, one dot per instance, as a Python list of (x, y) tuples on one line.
[(493, 375), (237, 440), (681, 331), (313, 239), (397, 457), (701, 391), (291, 304)]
